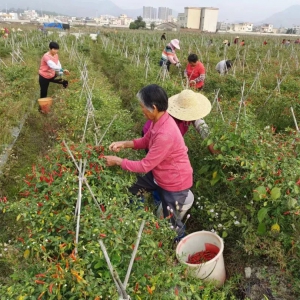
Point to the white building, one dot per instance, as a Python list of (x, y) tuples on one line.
[(181, 20), (209, 19), (9, 16), (203, 18), (125, 20), (266, 28), (224, 26), (30, 14), (192, 17), (243, 27)]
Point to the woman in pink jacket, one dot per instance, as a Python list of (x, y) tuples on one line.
[(167, 165), (50, 68)]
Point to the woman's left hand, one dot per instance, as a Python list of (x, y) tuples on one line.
[(113, 160), (66, 72)]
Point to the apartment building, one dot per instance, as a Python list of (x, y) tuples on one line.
[(192, 17), (164, 13), (203, 18), (209, 19), (149, 13)]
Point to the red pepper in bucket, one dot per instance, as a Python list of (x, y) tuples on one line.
[(206, 255)]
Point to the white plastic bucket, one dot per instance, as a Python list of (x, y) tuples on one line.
[(213, 269)]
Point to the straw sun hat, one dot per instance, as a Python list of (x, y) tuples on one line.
[(189, 106), (225, 41)]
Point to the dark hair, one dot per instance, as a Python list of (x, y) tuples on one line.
[(192, 58), (53, 45), (151, 95), (228, 64)]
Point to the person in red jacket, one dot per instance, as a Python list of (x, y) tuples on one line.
[(195, 72), (50, 69)]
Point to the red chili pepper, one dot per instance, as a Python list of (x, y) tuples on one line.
[(39, 282), (201, 257), (136, 288)]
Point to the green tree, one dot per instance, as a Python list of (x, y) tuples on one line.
[(138, 23), (152, 25), (291, 31)]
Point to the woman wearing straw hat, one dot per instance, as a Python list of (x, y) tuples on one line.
[(167, 165), (226, 43), (187, 108), (236, 40), (168, 56)]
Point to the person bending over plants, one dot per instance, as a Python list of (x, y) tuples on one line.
[(168, 56), (50, 69), (223, 66), (167, 165), (195, 72), (187, 108)]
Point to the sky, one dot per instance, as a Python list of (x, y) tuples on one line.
[(229, 10)]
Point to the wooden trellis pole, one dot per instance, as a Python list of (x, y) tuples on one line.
[(121, 287), (240, 107), (84, 178), (218, 104)]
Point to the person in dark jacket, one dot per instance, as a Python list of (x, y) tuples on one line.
[(163, 37)]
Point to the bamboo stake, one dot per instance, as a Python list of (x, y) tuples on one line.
[(240, 107), (294, 118), (134, 254), (115, 116), (84, 178), (121, 290), (78, 205)]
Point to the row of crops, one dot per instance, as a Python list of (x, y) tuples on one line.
[(248, 194)]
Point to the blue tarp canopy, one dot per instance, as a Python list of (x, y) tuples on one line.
[(53, 25)]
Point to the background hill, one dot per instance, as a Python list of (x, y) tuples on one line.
[(94, 8), (286, 18)]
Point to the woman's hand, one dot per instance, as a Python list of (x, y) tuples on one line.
[(113, 160), (66, 72), (118, 146), (192, 82)]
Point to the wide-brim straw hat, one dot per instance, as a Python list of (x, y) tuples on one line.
[(189, 106), (237, 37), (225, 41), (175, 43)]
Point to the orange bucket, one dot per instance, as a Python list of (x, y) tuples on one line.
[(45, 104)]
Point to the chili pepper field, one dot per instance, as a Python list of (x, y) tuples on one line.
[(62, 211)]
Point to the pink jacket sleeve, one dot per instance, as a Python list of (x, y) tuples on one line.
[(172, 57), (157, 153)]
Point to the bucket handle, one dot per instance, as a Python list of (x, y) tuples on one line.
[(210, 272)]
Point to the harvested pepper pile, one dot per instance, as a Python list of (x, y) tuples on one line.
[(203, 256)]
